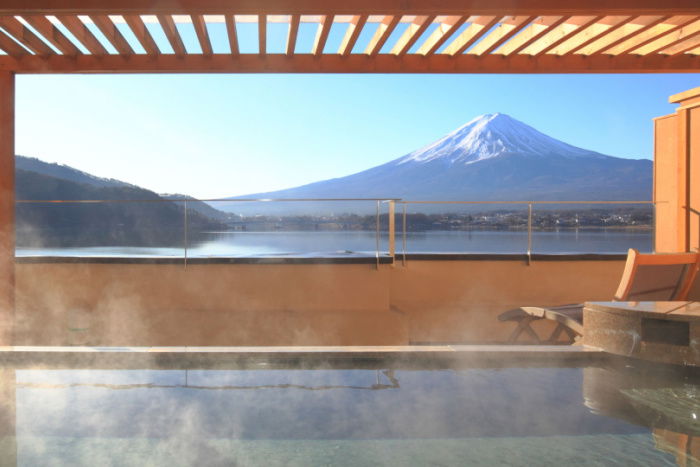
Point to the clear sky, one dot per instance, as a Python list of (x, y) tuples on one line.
[(224, 135)]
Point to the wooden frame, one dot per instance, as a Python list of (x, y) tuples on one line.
[(636, 259), (378, 7), (526, 37)]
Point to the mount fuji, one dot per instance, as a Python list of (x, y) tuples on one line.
[(493, 157)]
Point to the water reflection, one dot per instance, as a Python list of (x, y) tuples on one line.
[(665, 399), (464, 416), (363, 243)]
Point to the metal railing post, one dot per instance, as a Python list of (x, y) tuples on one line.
[(529, 233), (185, 233), (404, 235), (376, 237), (392, 231)]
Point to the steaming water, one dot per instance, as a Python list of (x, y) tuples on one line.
[(361, 417), (354, 243)]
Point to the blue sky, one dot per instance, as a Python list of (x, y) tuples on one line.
[(223, 135)]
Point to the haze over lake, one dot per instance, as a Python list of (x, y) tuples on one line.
[(363, 243)]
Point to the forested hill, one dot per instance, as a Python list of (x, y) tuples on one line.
[(151, 222)]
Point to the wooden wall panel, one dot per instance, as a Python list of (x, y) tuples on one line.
[(693, 149), (666, 175)]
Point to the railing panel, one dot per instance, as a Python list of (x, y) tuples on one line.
[(118, 228), (327, 228), (439, 227), (594, 228)]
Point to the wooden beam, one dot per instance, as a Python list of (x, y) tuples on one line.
[(411, 34), (143, 35), (354, 63), (620, 35), (384, 30), (232, 34), (112, 34), (505, 31), (529, 35), (324, 27), (292, 34), (7, 206), (10, 47), (587, 35), (82, 34), (351, 34), (343, 7), (559, 34), (25, 36), (52, 34), (170, 30), (443, 32), (648, 35), (262, 34), (689, 43), (669, 40), (200, 28), (469, 36)]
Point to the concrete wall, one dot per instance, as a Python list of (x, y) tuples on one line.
[(284, 304)]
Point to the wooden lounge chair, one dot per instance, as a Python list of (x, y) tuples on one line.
[(647, 277)]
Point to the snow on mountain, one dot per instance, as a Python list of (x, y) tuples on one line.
[(492, 135)]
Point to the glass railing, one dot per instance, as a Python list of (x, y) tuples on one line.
[(333, 228), (188, 228), (529, 227)]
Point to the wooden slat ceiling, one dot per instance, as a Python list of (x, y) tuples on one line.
[(401, 36)]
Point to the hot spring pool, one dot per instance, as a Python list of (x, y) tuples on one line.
[(359, 415)]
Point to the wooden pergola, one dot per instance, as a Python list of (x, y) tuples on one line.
[(405, 36), (446, 36)]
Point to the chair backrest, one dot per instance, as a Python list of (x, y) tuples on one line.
[(663, 276)]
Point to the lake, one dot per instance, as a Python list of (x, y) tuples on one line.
[(362, 243)]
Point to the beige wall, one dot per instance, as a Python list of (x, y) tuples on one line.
[(303, 304), (454, 301)]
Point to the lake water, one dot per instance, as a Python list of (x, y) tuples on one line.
[(354, 243)]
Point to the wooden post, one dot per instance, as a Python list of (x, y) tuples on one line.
[(683, 182), (7, 206)]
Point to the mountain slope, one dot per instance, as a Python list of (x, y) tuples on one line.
[(493, 157), (148, 223), (67, 173), (64, 172)]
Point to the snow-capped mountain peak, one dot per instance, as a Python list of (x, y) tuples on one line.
[(492, 135), (493, 157)]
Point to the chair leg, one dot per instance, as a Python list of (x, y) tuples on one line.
[(572, 335), (554, 337), (555, 334), (524, 326)]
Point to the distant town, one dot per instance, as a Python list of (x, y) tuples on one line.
[(620, 218)]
